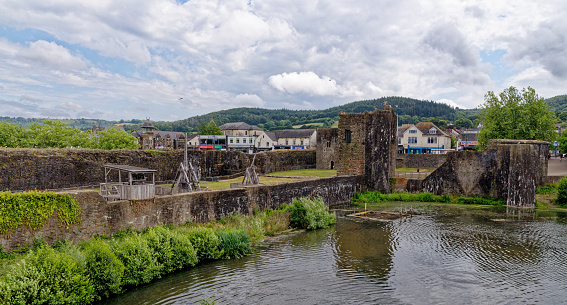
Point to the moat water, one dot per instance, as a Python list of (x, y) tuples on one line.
[(445, 255)]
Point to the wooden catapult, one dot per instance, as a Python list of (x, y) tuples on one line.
[(186, 178), (250, 176)]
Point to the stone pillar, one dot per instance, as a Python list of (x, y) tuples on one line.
[(522, 176)]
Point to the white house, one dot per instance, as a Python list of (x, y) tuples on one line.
[(423, 138)]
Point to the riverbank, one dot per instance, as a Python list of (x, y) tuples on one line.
[(96, 269)]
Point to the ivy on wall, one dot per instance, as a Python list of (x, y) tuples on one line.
[(33, 208)]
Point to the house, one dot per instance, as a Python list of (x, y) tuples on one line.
[(423, 138), (287, 139), (193, 141), (266, 141), (296, 138), (148, 138), (240, 129)]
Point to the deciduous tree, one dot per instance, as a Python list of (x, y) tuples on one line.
[(514, 114)]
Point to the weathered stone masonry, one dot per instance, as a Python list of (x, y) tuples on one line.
[(507, 169), (29, 169), (327, 142), (368, 147), (101, 217)]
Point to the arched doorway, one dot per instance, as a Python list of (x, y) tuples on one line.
[(332, 164)]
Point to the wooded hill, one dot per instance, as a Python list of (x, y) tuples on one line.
[(409, 111)]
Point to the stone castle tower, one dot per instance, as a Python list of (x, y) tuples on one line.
[(367, 145)]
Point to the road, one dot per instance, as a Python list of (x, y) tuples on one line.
[(556, 167)]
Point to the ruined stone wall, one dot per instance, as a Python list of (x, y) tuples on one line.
[(372, 148), (428, 161), (380, 145), (507, 171), (327, 142), (351, 154), (28, 169), (101, 217)]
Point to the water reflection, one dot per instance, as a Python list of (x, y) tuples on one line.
[(446, 254)]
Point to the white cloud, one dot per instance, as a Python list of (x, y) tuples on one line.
[(450, 103), (249, 100), (304, 82), (136, 58)]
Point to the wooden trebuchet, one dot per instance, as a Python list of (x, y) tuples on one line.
[(186, 178), (250, 176)]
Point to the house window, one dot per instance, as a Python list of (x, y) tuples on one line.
[(237, 141), (230, 141), (328, 143), (246, 133), (285, 142), (254, 132), (399, 140), (348, 135), (413, 131), (412, 140), (228, 132), (267, 144), (244, 140), (433, 131), (431, 140), (301, 142)]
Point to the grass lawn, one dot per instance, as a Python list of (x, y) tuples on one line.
[(225, 184), (413, 170), (312, 124), (307, 173)]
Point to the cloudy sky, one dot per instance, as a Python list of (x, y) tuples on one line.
[(170, 60)]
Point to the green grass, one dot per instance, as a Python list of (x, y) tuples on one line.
[(307, 173), (225, 184), (376, 197), (308, 124)]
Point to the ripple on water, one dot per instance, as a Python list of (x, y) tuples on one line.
[(437, 258)]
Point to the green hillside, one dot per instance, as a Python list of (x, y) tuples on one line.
[(409, 111)]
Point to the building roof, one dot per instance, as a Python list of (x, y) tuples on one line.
[(148, 124), (425, 127), (402, 129), (239, 126), (272, 135), (294, 133)]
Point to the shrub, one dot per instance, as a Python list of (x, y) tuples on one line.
[(205, 242), (172, 250), (139, 259), (104, 268), (547, 189), (234, 243), (562, 192), (48, 276), (310, 214)]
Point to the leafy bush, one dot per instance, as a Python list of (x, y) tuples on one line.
[(234, 243), (173, 251), (205, 242), (547, 189), (103, 267), (48, 276), (562, 192), (139, 259), (310, 214)]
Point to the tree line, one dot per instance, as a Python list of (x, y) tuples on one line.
[(56, 134)]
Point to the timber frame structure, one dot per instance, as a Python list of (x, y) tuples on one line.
[(139, 185)]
